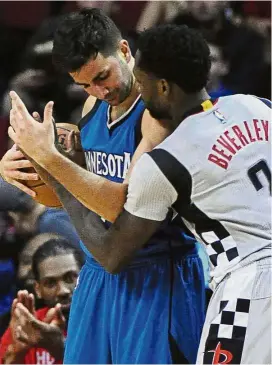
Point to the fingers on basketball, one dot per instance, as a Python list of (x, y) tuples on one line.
[(44, 194)]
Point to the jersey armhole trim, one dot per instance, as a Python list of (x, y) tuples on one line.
[(83, 121)]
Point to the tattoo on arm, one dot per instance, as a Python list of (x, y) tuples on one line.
[(113, 248)]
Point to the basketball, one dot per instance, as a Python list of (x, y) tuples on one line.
[(45, 195)]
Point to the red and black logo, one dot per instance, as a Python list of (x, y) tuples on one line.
[(223, 351), (221, 356)]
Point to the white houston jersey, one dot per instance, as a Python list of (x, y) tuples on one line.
[(215, 172)]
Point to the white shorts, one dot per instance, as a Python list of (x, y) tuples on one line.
[(237, 328)]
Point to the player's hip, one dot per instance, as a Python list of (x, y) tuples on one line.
[(223, 271), (153, 254), (161, 276), (150, 260)]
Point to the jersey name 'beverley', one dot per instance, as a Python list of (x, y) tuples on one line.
[(237, 137)]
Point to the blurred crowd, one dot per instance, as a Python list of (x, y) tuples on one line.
[(33, 238)]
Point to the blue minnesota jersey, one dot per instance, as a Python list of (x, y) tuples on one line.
[(109, 148)]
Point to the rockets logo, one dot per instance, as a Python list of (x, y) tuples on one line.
[(221, 356)]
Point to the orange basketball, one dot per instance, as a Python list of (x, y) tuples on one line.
[(44, 194)]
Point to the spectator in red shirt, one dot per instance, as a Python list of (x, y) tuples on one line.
[(38, 337)]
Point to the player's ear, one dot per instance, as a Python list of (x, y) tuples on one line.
[(164, 87), (125, 50)]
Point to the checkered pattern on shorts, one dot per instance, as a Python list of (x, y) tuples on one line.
[(232, 320), (220, 250)]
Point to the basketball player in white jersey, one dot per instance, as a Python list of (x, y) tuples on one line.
[(214, 171)]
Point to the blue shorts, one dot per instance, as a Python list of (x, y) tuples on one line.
[(152, 313)]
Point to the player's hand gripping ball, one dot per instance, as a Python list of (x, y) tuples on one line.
[(70, 145)]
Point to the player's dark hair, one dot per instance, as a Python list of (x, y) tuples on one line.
[(176, 53), (51, 248), (80, 36)]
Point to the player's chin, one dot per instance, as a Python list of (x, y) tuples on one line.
[(119, 97), (114, 101)]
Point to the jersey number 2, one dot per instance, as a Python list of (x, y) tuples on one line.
[(260, 166)]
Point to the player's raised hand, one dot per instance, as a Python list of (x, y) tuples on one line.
[(35, 139), (11, 171)]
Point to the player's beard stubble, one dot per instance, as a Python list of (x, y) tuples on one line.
[(127, 84)]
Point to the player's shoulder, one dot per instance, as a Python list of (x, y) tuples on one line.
[(153, 130), (88, 105), (246, 99)]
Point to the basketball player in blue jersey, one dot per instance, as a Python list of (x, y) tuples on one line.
[(152, 309)]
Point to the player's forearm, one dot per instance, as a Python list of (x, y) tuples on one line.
[(96, 193), (88, 224), (89, 227), (112, 252)]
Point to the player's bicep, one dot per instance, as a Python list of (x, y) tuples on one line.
[(150, 194), (153, 133), (144, 146)]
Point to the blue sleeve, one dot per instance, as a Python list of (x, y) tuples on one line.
[(266, 102), (58, 221)]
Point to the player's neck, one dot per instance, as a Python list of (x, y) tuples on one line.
[(134, 93), (183, 104), (118, 110)]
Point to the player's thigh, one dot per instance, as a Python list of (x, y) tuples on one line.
[(139, 318), (87, 339), (188, 305), (159, 312), (257, 347), (232, 316)]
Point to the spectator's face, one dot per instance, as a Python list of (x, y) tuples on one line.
[(22, 224), (57, 280), (107, 78), (218, 66), (206, 10)]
